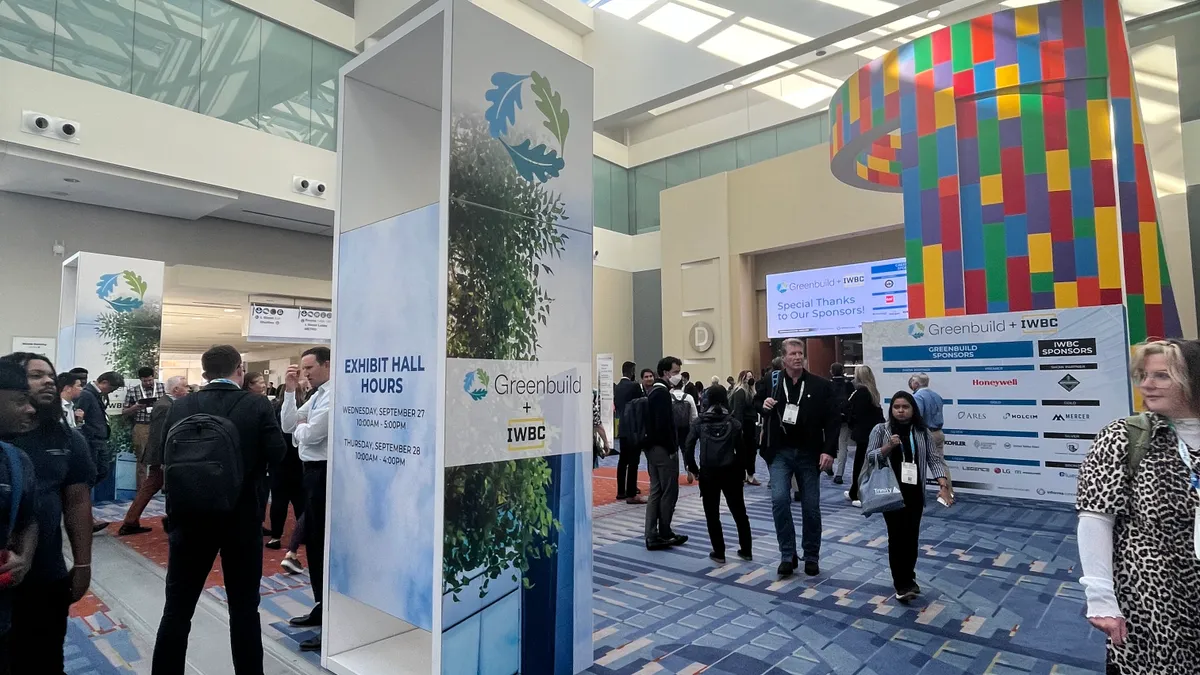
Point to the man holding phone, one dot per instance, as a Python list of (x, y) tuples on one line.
[(139, 400)]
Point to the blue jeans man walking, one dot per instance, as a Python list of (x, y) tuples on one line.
[(786, 463)]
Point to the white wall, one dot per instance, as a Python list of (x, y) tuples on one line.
[(29, 227)]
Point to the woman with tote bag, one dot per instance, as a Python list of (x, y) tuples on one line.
[(904, 443)]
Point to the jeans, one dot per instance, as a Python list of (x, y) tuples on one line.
[(728, 481), (39, 626), (903, 527), (843, 451), (789, 462), (314, 526), (664, 492), (194, 545), (627, 469)]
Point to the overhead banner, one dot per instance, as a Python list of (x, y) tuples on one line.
[(276, 323), (836, 300), (1025, 392)]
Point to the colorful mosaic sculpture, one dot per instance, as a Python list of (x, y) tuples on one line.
[(1016, 140)]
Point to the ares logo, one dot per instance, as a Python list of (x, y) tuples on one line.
[(964, 415), (917, 330), (526, 434), (476, 384)]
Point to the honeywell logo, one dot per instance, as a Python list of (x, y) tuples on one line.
[(995, 383)]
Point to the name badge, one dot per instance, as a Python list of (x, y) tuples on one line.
[(908, 473), (791, 413)]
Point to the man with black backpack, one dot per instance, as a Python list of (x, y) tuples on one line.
[(215, 453), (660, 438)]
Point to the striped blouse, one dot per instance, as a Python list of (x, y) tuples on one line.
[(929, 463)]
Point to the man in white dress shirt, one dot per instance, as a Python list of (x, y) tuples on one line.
[(309, 427)]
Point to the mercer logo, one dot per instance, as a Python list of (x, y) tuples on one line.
[(995, 383)]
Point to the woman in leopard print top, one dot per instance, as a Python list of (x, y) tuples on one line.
[(1137, 546)]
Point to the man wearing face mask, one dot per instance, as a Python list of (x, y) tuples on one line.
[(662, 458)]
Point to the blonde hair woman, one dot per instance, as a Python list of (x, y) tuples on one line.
[(863, 413), (741, 402), (1139, 519)]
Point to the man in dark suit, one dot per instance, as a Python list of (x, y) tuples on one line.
[(625, 392), (93, 401), (196, 539), (800, 434), (152, 457)]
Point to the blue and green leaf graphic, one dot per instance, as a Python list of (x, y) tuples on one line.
[(535, 162), (505, 98), (125, 304), (558, 120), (136, 283), (105, 286)]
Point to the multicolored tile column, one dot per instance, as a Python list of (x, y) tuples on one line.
[(1017, 142)]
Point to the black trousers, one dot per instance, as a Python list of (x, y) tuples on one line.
[(904, 527), (194, 545), (860, 458), (287, 487), (728, 481), (314, 525), (39, 626), (627, 469), (747, 454)]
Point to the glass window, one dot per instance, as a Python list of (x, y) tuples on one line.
[(601, 194), (93, 41), (683, 168), (763, 146), (326, 62), (744, 156), (621, 178), (27, 31), (167, 46), (649, 180), (799, 135), (229, 66), (285, 82), (718, 158)]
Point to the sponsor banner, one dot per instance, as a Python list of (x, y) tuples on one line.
[(604, 382), (1023, 390), (276, 323), (836, 300), (516, 409)]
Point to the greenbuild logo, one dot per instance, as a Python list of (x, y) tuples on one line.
[(476, 384), (782, 288), (916, 330), (532, 162), (124, 303)]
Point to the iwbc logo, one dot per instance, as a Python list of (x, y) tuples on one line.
[(917, 330), (532, 162), (476, 384), (124, 303)]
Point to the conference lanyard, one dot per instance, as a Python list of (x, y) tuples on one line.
[(787, 395), (1194, 479)]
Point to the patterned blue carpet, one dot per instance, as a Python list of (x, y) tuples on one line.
[(1001, 596)]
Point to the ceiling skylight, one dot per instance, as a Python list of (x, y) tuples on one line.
[(626, 9), (743, 45), (679, 22)]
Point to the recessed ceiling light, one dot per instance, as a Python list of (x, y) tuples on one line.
[(821, 52), (60, 193), (728, 86), (933, 14), (71, 180)]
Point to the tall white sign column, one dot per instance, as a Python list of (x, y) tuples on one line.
[(461, 438)]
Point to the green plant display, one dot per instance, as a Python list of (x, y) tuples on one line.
[(131, 338), (503, 233)]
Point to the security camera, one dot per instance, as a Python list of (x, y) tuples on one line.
[(300, 184), (67, 130), (36, 122), (318, 189), (595, 255)]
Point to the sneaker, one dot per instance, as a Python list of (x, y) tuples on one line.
[(746, 555), (291, 564), (812, 569), (837, 480), (856, 504), (787, 567), (274, 544), (846, 494), (908, 595), (719, 559)]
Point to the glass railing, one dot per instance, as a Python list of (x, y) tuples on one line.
[(207, 56), (626, 200)]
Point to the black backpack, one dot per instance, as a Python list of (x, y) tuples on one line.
[(718, 443), (202, 457), (633, 423), (681, 412)]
